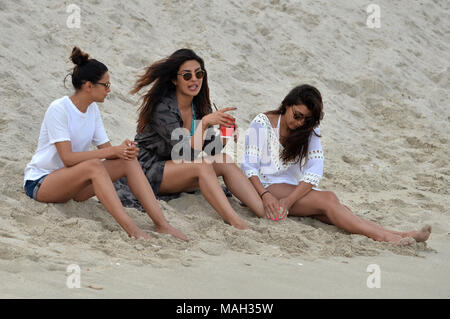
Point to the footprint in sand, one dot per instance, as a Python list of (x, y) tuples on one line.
[(133, 61), (414, 142), (349, 160), (3, 124), (212, 249), (8, 253), (28, 221)]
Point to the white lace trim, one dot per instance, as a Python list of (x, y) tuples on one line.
[(274, 144), (275, 149), (311, 178), (315, 154), (252, 150), (249, 173)]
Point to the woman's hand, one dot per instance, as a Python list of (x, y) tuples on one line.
[(168, 229), (271, 206), (285, 205), (127, 150), (220, 118)]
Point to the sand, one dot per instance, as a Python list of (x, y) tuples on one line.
[(385, 138)]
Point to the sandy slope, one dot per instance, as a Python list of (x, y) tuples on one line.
[(385, 135)]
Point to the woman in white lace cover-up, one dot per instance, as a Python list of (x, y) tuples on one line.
[(284, 162)]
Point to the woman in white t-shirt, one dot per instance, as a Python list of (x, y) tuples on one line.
[(284, 162), (63, 167)]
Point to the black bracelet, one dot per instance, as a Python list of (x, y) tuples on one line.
[(264, 193)]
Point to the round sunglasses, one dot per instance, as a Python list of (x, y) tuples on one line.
[(199, 74)]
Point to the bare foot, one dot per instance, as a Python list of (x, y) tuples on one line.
[(406, 241), (240, 224), (140, 234), (420, 235), (392, 238), (399, 240), (167, 229)]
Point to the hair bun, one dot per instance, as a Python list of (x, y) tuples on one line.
[(79, 57)]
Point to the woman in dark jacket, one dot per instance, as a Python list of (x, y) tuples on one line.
[(175, 125)]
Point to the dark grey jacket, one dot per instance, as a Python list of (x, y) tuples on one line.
[(165, 139)]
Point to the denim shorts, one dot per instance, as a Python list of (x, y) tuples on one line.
[(32, 187)]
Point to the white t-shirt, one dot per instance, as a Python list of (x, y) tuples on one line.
[(63, 121)]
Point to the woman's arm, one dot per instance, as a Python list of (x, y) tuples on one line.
[(217, 118), (106, 145), (255, 146), (197, 141), (104, 151), (299, 192), (131, 151), (312, 172), (257, 185), (270, 202), (313, 169)]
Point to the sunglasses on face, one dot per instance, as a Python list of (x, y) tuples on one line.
[(298, 116), (199, 74), (106, 85)]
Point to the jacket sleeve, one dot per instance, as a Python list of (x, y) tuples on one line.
[(175, 140)]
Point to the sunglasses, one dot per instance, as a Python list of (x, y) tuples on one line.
[(106, 85), (199, 74), (298, 116)]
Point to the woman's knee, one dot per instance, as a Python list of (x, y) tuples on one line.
[(223, 163), (326, 201), (226, 159), (93, 166), (205, 168), (330, 197), (329, 202), (129, 164)]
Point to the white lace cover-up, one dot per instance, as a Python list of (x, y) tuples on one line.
[(262, 156)]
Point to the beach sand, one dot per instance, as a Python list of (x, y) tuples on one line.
[(385, 136)]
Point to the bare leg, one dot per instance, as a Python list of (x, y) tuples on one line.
[(64, 184), (419, 235), (179, 177), (326, 203), (141, 189), (238, 183)]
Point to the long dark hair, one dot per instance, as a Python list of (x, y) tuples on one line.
[(161, 73), (296, 144), (85, 69)]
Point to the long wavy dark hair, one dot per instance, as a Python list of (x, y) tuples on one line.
[(161, 73), (296, 144)]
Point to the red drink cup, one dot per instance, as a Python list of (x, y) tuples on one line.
[(226, 132)]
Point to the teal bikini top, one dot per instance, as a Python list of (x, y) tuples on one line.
[(193, 120)]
